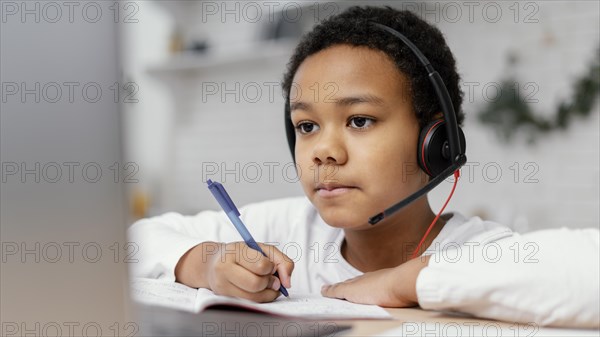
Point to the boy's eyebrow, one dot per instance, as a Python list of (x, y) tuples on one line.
[(343, 101)]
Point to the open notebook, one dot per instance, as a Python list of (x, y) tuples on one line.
[(178, 296)]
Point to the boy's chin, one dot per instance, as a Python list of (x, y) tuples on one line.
[(342, 219)]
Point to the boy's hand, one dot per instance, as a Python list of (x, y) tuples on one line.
[(392, 287), (234, 269)]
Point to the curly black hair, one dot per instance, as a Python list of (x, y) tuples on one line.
[(351, 27)]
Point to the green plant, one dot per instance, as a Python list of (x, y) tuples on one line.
[(510, 114)]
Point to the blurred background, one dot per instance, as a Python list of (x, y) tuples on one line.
[(210, 104)]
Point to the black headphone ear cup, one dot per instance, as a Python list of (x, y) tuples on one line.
[(433, 151), (290, 131)]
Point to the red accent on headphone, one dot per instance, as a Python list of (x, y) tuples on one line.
[(423, 147)]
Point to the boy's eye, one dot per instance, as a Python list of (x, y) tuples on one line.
[(356, 122), (361, 122), (306, 127)]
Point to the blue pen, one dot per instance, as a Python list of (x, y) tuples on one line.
[(233, 214)]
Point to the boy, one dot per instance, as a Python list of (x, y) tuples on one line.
[(356, 149)]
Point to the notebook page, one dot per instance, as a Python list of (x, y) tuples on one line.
[(165, 294), (178, 296), (298, 305), (316, 306)]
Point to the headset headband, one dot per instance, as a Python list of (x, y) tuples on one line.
[(440, 90)]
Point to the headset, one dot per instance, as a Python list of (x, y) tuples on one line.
[(441, 146)]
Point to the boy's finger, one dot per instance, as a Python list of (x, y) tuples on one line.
[(264, 296), (283, 264), (255, 262), (337, 290), (248, 281), (274, 283)]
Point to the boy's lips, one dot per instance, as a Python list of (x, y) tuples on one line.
[(329, 190)]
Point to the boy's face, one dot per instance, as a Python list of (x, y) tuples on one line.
[(356, 136)]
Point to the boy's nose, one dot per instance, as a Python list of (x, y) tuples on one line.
[(330, 149)]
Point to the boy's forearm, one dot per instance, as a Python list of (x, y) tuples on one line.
[(406, 275), (192, 267)]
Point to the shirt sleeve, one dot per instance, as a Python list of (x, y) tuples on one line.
[(548, 277), (162, 240)]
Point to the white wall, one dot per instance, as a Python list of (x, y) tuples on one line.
[(176, 133), (553, 52)]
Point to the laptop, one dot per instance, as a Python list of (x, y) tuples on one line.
[(62, 210)]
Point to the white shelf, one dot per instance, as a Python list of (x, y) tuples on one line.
[(257, 53)]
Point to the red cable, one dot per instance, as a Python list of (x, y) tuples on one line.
[(456, 176)]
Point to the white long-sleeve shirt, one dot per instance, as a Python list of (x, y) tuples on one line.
[(293, 225), (563, 291), (548, 277)]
